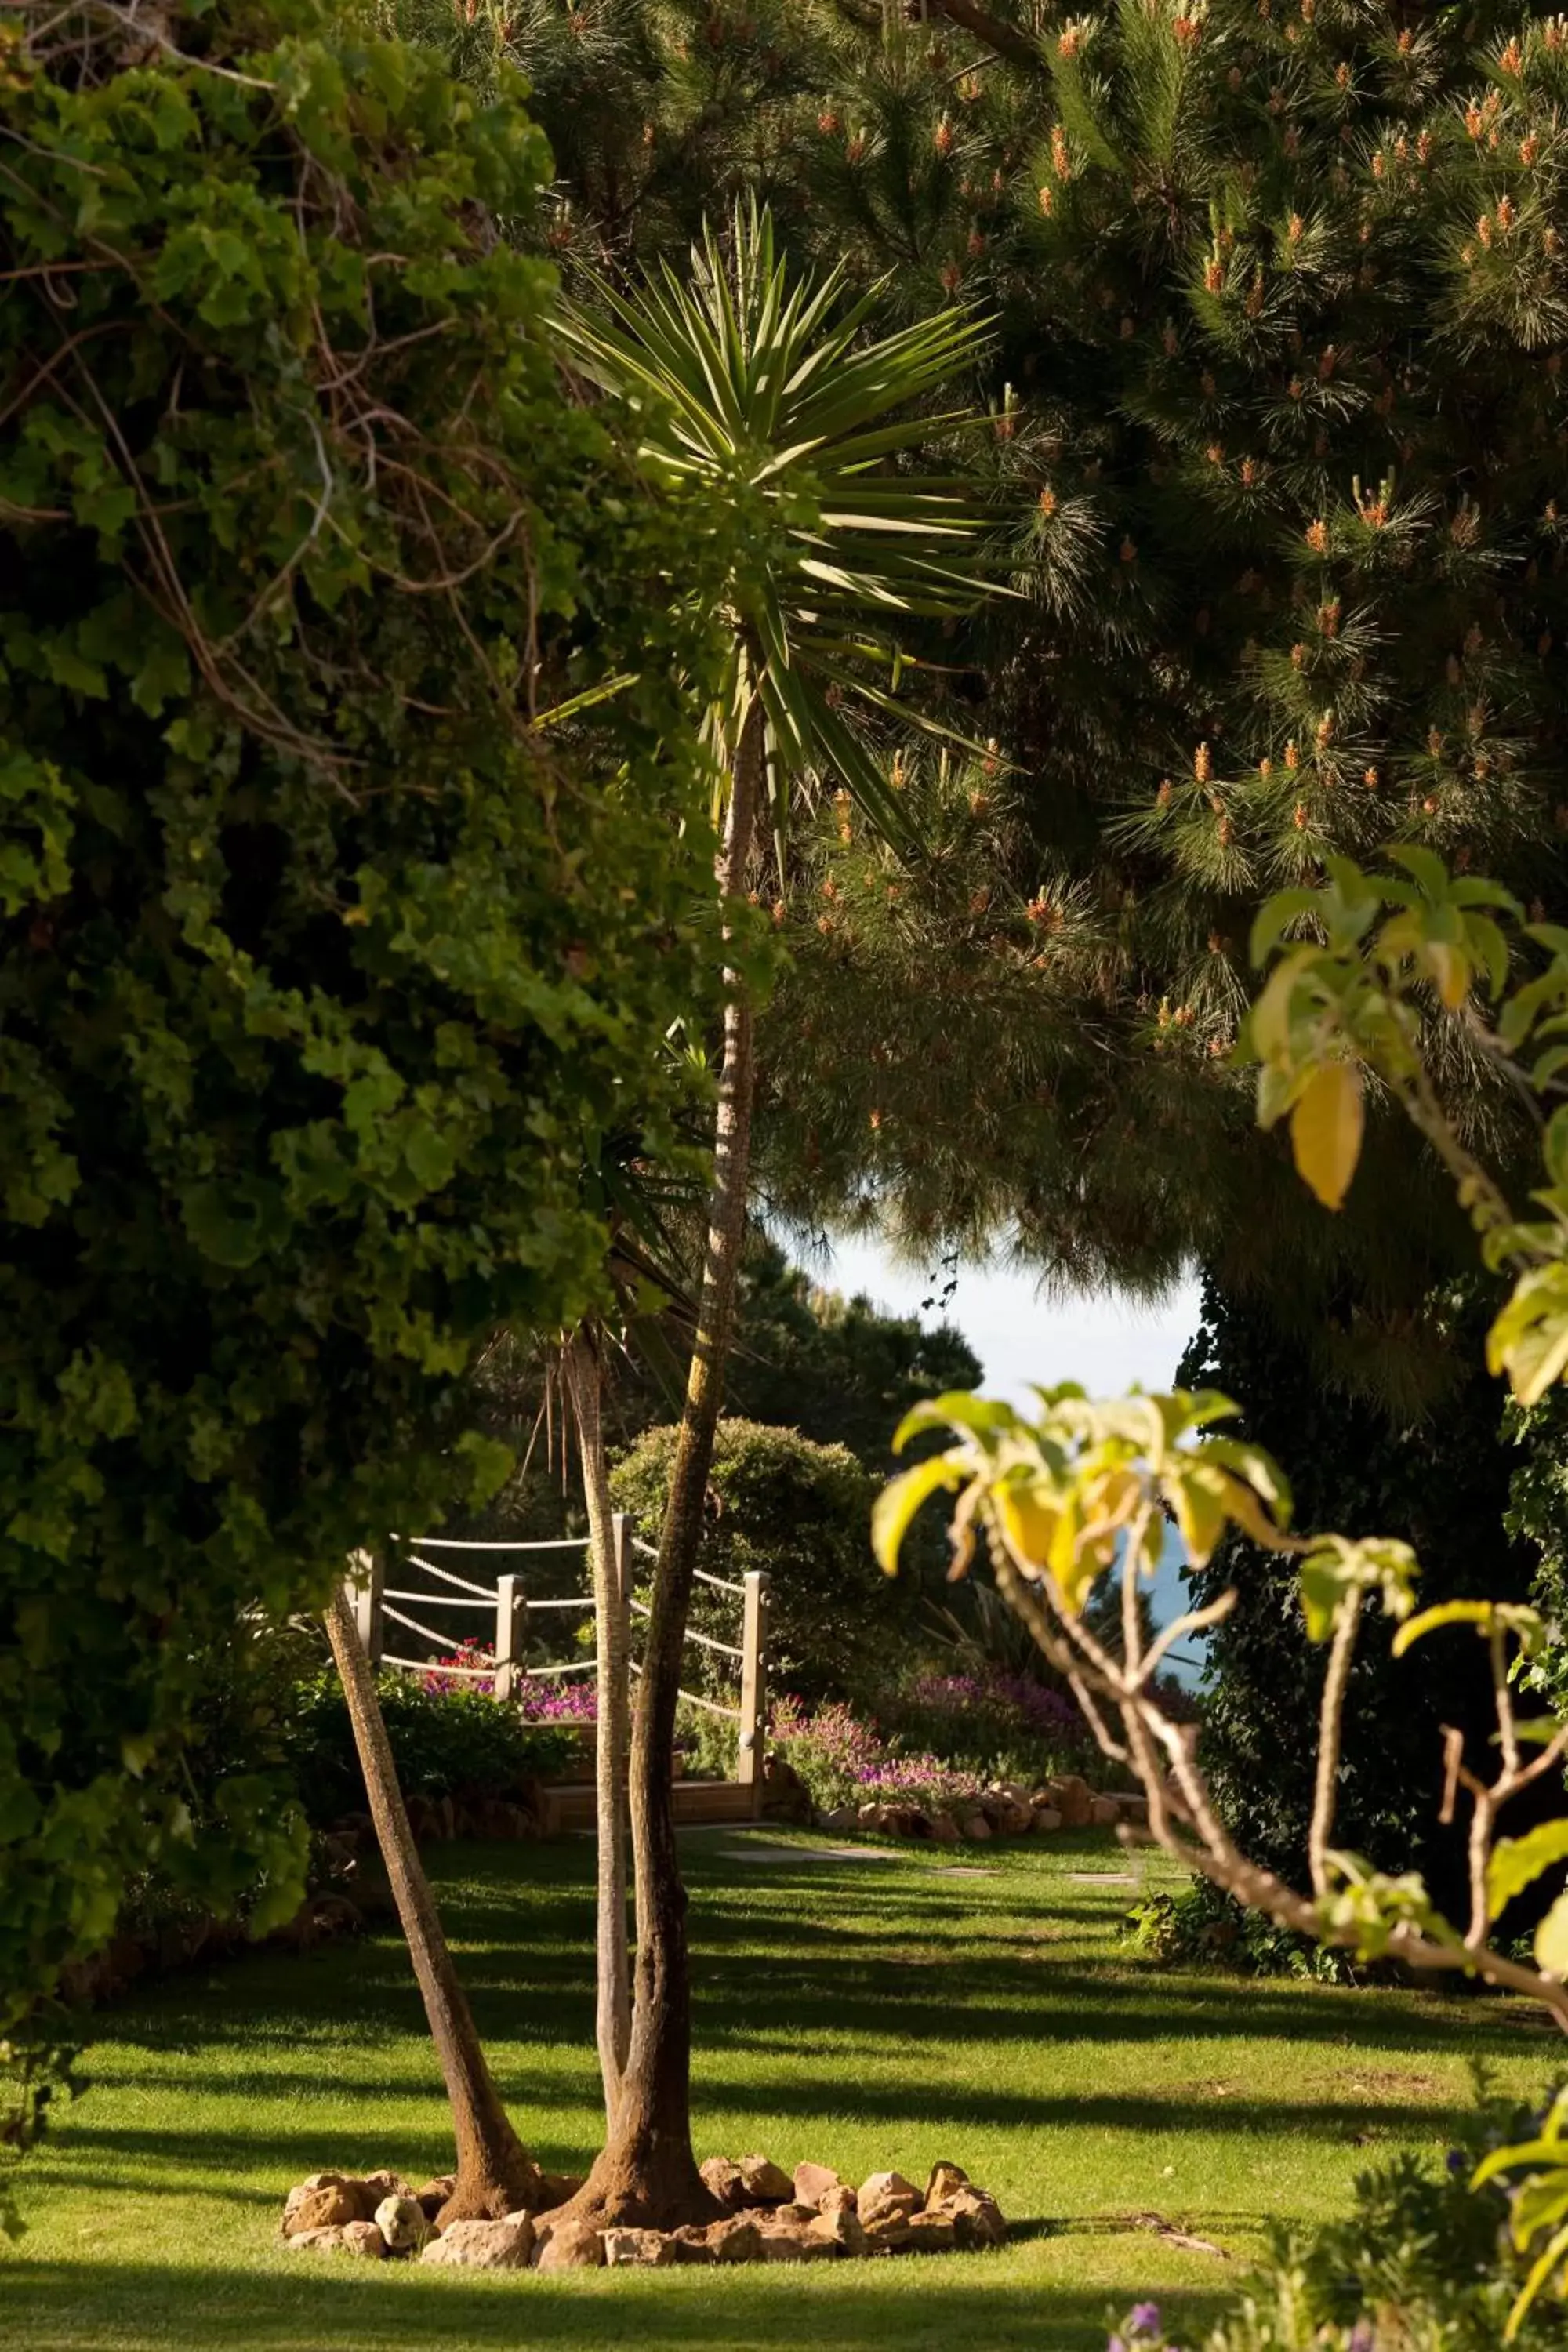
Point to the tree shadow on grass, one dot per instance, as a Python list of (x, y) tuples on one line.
[(926, 2304)]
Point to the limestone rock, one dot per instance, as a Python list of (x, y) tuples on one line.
[(795, 2211), (763, 2182), (325, 2201), (1045, 1817), (503, 2245), (692, 2244), (723, 2178), (363, 2239), (841, 2199), (843, 2226), (569, 2246), (639, 2249), (976, 1827), (887, 2233), (402, 2222), (885, 2194), (946, 2180), (976, 2218), (840, 1817), (931, 2234), (812, 2183), (558, 2189), (1104, 1813), (435, 2193), (1074, 1802), (387, 2184), (944, 1829), (315, 2241), (739, 2240), (797, 2242)]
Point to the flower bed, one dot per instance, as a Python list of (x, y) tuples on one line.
[(857, 1776)]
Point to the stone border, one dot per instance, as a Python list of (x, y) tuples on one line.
[(772, 2217)]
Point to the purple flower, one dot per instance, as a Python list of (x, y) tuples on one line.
[(1363, 2338), (1143, 2319)]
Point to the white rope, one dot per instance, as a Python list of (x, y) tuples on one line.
[(430, 1666), (581, 1601), (584, 1666), (733, 1713), (416, 1627), (719, 1584), (726, 1649), (649, 1551), (434, 1600), (485, 1592), (456, 1543)]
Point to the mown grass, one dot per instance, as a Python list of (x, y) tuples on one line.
[(872, 2012)]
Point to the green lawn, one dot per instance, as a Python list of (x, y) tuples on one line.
[(883, 2011)]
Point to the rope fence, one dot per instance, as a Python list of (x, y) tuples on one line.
[(375, 1604)]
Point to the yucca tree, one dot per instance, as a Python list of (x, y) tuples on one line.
[(778, 398)]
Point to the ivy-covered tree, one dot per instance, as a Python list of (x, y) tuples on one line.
[(324, 955)]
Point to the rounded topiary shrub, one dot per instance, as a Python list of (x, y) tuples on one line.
[(802, 1511)]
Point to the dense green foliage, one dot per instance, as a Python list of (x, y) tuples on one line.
[(455, 1742), (1278, 415), (1440, 1485), (1422, 2262), (321, 965), (1538, 1515), (780, 1502)]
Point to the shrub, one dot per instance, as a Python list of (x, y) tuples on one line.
[(802, 1511), (1203, 1925), (845, 1760), (321, 970), (1004, 1727), (444, 1743), (1422, 2263)]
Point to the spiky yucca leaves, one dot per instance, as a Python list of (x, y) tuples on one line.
[(763, 387)]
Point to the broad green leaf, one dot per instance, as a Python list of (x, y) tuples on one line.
[(1326, 1129), (1447, 1613), (1517, 1862), (1551, 1941), (901, 1497), (1540, 2271), (958, 1409)]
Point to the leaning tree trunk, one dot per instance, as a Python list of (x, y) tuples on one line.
[(614, 2005), (496, 2175), (647, 2175)]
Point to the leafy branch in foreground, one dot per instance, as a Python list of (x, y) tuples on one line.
[(1370, 978)]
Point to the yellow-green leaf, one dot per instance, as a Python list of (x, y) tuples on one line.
[(1518, 1862), (901, 1497), (1551, 1939), (1326, 1129), (1479, 1613)]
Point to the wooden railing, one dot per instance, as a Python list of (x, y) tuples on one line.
[(507, 1607)]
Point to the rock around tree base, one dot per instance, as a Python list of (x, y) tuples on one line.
[(814, 2217)]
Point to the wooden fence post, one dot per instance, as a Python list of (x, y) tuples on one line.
[(366, 1576), (753, 1686), (511, 1635)]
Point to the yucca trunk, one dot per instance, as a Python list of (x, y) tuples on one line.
[(613, 2018), (647, 2173), (496, 2175)]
